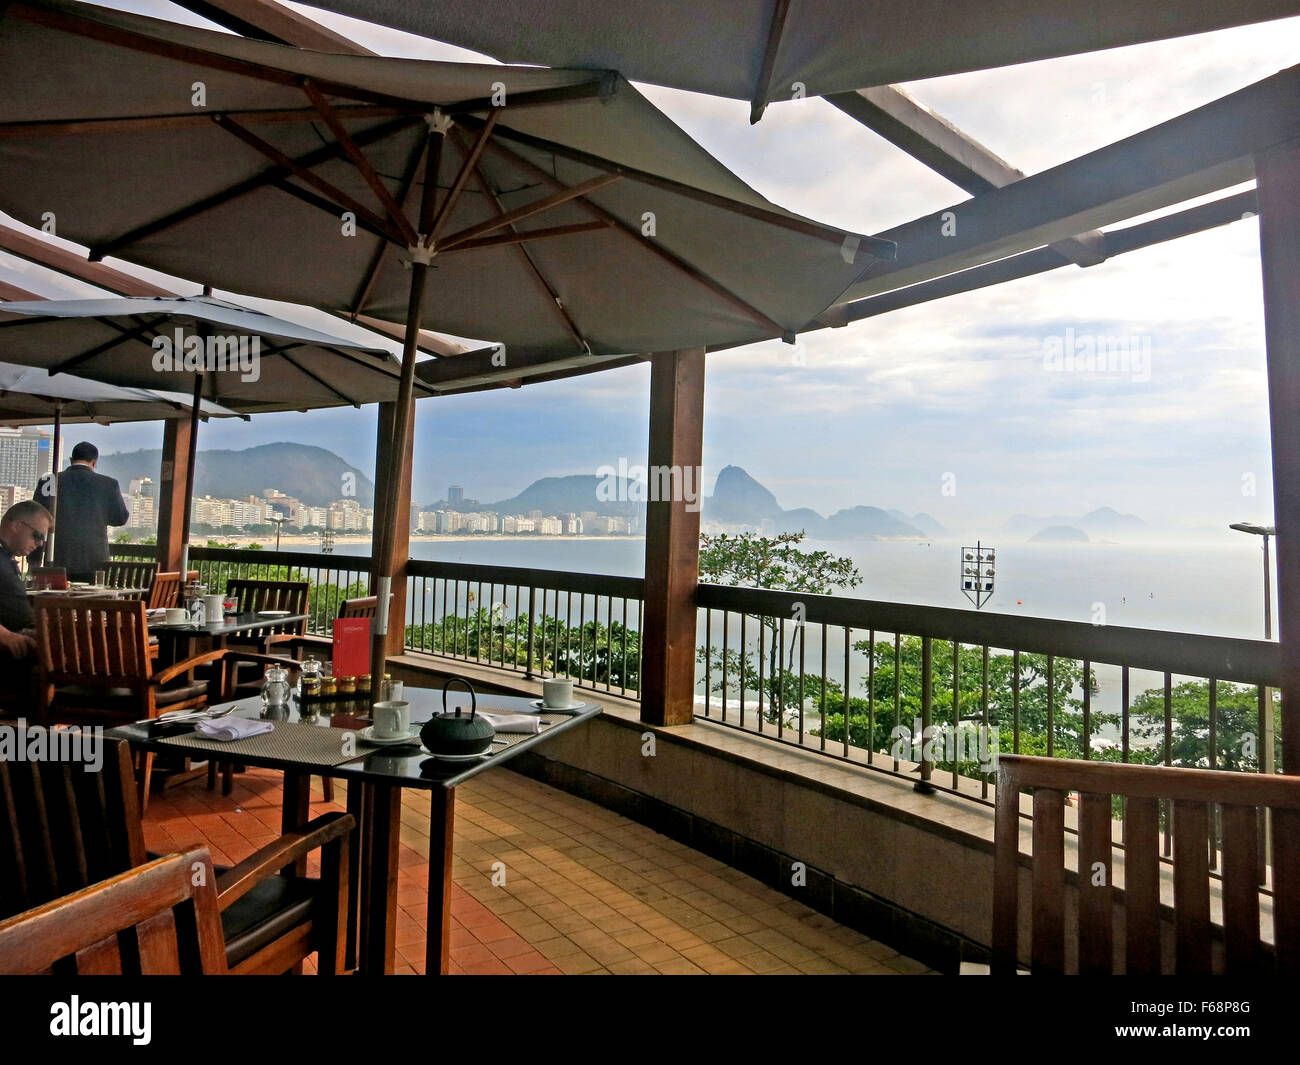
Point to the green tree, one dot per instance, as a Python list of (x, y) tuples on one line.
[(1236, 727), (752, 561)]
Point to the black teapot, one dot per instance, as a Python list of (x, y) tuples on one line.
[(457, 733)]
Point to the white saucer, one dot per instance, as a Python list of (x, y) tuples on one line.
[(368, 734), (540, 705), (273, 613), (456, 757)]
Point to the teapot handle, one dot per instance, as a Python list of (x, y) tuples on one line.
[(473, 699)]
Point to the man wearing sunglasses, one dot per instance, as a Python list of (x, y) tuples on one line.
[(25, 527)]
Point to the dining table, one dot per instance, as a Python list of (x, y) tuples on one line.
[(330, 739), (186, 639)]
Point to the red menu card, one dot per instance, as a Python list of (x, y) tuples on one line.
[(351, 647)]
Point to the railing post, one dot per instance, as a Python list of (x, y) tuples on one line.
[(532, 613), (927, 716), (672, 537)]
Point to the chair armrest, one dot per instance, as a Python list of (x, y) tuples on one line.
[(242, 878), (163, 676)]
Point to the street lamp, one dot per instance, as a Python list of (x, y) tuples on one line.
[(277, 522), (1266, 740)]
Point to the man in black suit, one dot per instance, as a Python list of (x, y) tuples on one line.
[(87, 503)]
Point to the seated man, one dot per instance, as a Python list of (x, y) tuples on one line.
[(23, 528)]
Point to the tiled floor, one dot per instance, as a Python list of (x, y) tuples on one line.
[(546, 883)]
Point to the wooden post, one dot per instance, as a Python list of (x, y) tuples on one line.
[(173, 494), (1277, 170), (672, 538), (395, 563)]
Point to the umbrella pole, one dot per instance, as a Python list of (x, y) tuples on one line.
[(189, 477), (48, 552), (383, 564)]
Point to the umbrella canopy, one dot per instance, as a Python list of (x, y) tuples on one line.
[(759, 50), (567, 214), (30, 397), (249, 361)]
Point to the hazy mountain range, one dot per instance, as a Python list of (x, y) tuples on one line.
[(317, 476)]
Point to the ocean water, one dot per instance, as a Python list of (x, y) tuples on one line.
[(1211, 588)]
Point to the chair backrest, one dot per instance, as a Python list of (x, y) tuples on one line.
[(253, 595), (165, 590), (64, 826), (1191, 796), (365, 607), (97, 642), (158, 919), (129, 573)]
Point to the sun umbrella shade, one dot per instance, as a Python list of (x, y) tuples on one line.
[(284, 173), (769, 50), (30, 397), (250, 361)]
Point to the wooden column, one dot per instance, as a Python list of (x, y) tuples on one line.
[(1277, 170), (672, 541), (401, 497), (173, 494)]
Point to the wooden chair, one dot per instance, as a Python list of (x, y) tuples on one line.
[(165, 591), (1192, 795), (254, 595), (63, 828), (157, 920), (95, 667), (132, 573)]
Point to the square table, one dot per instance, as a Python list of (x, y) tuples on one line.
[(376, 777), (182, 641)]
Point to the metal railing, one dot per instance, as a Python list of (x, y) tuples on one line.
[(538, 623)]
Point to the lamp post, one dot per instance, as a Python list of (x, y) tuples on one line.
[(277, 522), (1266, 761), (977, 573)]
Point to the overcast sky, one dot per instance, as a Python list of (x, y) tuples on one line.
[(956, 392)]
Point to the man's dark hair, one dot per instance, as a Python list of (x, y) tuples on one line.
[(85, 452)]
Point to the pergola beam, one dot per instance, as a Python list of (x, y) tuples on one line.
[(1201, 152)]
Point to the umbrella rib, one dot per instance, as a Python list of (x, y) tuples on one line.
[(280, 159), (270, 176), (555, 300), (85, 27), (523, 236), (758, 102), (563, 195), (320, 381), (886, 248), (669, 257), (603, 87), (99, 349), (332, 209), (423, 148), (467, 166), (65, 127), (359, 160)]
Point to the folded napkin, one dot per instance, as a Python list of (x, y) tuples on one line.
[(232, 728), (513, 722)]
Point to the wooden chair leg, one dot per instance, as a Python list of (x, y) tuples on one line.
[(327, 788)]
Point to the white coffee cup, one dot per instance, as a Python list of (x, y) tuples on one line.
[(557, 693), (391, 719), (176, 615), (212, 608)]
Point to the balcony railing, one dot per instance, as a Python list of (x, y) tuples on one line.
[(852, 679)]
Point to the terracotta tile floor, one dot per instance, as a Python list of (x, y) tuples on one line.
[(584, 891)]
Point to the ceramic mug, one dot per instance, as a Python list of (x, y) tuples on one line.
[(391, 719), (177, 615), (212, 608), (557, 693)]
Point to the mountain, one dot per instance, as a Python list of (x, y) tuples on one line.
[(1102, 522), (857, 522), (922, 521), (571, 495), (1059, 534), (316, 476), (737, 497)]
